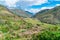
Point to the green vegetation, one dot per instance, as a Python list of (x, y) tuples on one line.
[(13, 27), (51, 16), (50, 34)]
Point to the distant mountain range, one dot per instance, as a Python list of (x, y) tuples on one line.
[(22, 13), (51, 16)]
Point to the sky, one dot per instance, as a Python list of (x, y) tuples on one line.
[(32, 6)]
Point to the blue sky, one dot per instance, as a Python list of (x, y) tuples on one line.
[(31, 5)]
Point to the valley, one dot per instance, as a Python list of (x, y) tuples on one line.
[(16, 27)]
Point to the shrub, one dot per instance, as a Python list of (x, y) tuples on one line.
[(4, 29), (29, 25), (46, 35)]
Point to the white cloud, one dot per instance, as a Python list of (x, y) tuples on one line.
[(37, 10), (39, 2), (33, 10), (33, 2), (57, 4), (46, 8), (1, 0), (27, 0), (24, 4), (11, 2)]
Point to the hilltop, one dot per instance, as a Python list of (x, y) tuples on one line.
[(51, 16)]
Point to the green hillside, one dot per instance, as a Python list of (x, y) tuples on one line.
[(13, 27), (51, 16)]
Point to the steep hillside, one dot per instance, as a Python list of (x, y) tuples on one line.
[(13, 27), (51, 16)]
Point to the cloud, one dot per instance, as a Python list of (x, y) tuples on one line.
[(32, 2), (33, 10), (11, 2), (46, 8), (26, 4), (57, 4), (37, 10), (23, 3), (39, 2), (1, 0)]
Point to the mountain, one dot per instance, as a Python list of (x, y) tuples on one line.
[(30, 13), (20, 12), (14, 27), (51, 16)]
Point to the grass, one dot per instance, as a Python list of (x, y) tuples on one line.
[(13, 27)]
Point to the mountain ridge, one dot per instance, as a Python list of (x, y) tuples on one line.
[(21, 12), (49, 16)]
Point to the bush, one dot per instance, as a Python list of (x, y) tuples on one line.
[(29, 25), (4, 29), (47, 35)]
